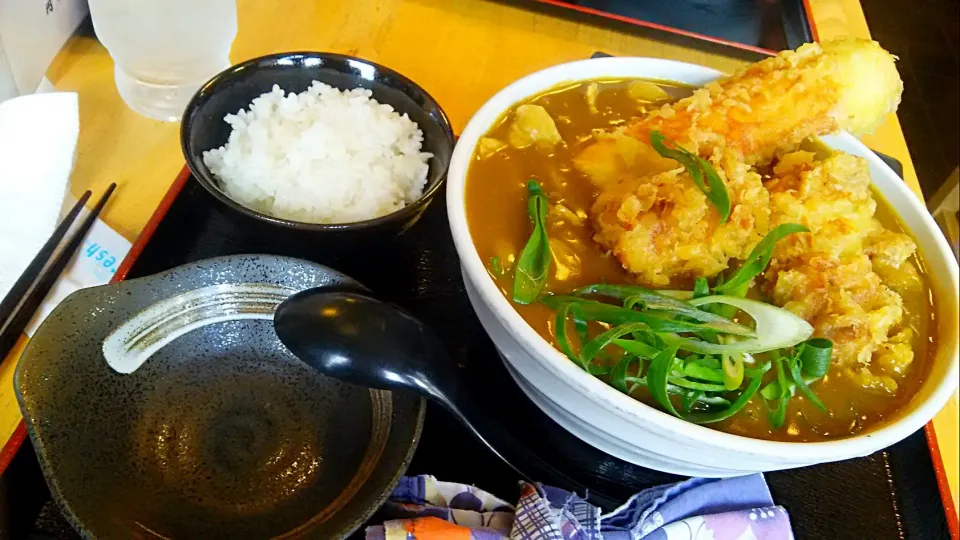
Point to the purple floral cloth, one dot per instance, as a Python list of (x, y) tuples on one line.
[(696, 509)]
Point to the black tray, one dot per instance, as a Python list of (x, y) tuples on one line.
[(890, 494)]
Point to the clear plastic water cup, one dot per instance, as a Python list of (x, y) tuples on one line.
[(164, 50)]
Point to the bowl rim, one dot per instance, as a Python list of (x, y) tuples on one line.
[(206, 179), (630, 410)]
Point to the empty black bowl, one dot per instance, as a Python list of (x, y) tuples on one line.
[(203, 127)]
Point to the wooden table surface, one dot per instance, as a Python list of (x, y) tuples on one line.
[(461, 51)]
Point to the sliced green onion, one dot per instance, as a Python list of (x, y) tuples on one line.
[(637, 348), (771, 391), (696, 385), (688, 399), (725, 310), (776, 328), (533, 265), (706, 361), (757, 261), (658, 383), (802, 386), (657, 301), (815, 356), (709, 400), (732, 371), (732, 409), (779, 415), (618, 377), (699, 371), (650, 338), (595, 345), (699, 168), (700, 287), (657, 378), (598, 369), (579, 322), (757, 372), (561, 331), (610, 314)]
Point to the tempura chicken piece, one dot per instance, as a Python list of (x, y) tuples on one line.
[(828, 276), (770, 107), (662, 227)]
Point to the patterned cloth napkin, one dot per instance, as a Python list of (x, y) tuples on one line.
[(697, 509)]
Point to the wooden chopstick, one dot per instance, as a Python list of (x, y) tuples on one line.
[(29, 291)]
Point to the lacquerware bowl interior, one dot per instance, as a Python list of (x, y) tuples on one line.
[(220, 434), (203, 127), (629, 429)]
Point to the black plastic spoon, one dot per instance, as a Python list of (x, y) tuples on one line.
[(361, 340)]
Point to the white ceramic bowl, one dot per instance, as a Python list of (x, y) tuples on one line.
[(628, 429)]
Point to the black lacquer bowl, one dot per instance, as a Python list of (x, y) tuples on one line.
[(203, 127), (219, 433)]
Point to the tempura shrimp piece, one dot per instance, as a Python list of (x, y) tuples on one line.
[(769, 107)]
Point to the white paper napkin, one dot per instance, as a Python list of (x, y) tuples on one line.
[(38, 138)]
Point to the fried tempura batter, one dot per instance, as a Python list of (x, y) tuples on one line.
[(827, 276), (773, 105), (662, 227)]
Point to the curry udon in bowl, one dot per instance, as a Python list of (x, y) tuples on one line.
[(668, 270)]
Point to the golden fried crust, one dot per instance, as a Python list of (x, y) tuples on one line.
[(773, 105), (662, 227), (829, 277)]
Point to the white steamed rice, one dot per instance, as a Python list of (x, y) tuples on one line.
[(321, 156)]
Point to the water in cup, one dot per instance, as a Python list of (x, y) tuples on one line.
[(164, 50)]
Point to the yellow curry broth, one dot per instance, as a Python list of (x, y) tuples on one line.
[(496, 207)]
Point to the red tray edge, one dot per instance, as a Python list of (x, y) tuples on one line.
[(20, 433)]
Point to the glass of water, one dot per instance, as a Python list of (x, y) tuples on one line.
[(164, 50)]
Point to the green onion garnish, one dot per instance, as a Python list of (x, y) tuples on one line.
[(611, 314), (649, 299), (658, 381), (732, 371), (758, 260), (639, 348), (802, 385), (657, 375), (698, 370), (688, 399), (700, 287), (732, 409), (696, 385), (618, 377), (595, 345), (533, 266), (561, 331), (757, 372), (815, 356), (776, 328), (698, 168), (779, 415)]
